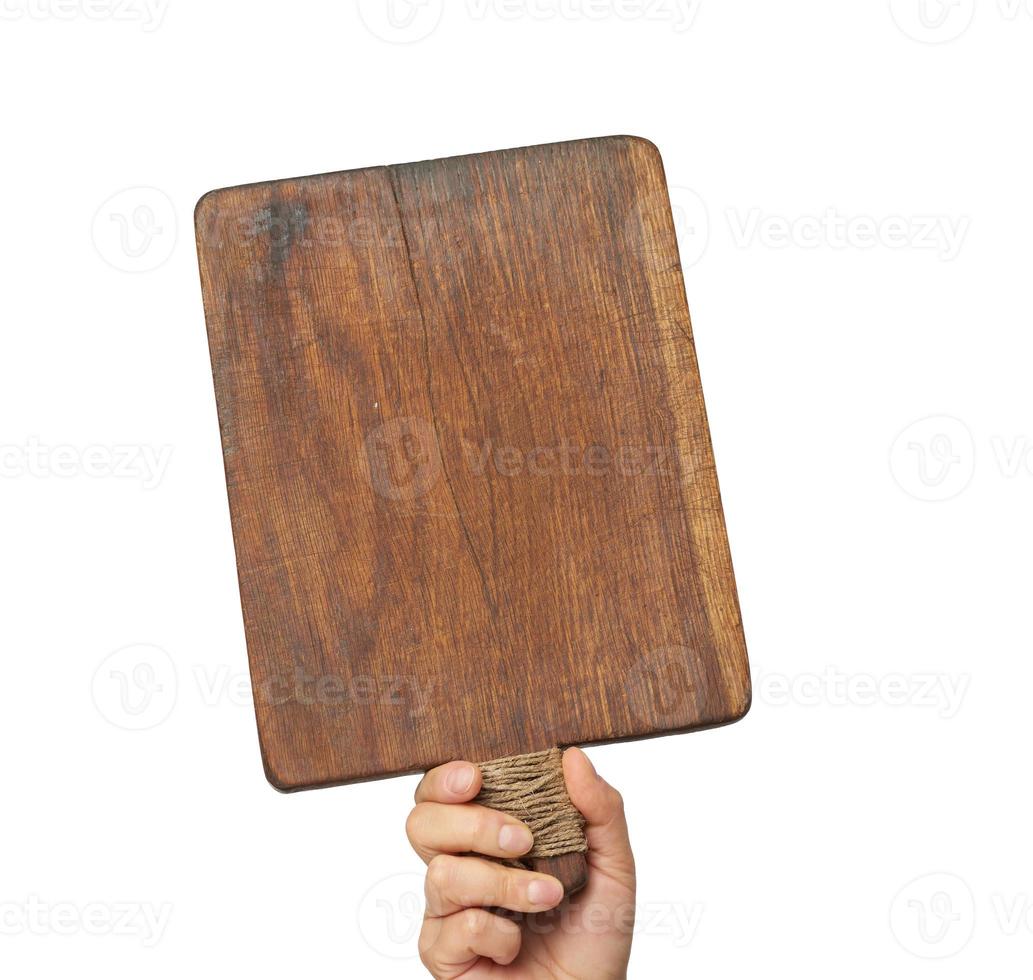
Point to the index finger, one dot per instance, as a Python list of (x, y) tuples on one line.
[(454, 782)]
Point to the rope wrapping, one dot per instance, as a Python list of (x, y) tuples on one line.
[(531, 788)]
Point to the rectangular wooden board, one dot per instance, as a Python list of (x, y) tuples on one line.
[(471, 482)]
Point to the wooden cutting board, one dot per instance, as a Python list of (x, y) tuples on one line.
[(470, 478)]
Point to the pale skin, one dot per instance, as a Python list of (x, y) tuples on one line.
[(586, 935)]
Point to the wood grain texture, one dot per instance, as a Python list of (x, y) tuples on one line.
[(470, 477)]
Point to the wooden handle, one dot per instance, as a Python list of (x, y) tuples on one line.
[(571, 869)]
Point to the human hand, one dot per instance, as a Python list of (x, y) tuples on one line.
[(589, 935)]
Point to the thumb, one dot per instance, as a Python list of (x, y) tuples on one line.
[(606, 828)]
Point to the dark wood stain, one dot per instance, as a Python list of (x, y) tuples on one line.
[(471, 483)]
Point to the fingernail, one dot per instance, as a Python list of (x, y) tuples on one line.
[(515, 838), (460, 780), (545, 892)]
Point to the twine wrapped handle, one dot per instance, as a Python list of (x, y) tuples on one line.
[(532, 789)]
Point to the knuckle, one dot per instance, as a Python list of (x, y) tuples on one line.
[(483, 826), (414, 822), (433, 946), (509, 886), (473, 923), (440, 872), (427, 941)]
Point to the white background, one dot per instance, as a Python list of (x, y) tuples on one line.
[(854, 197)]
